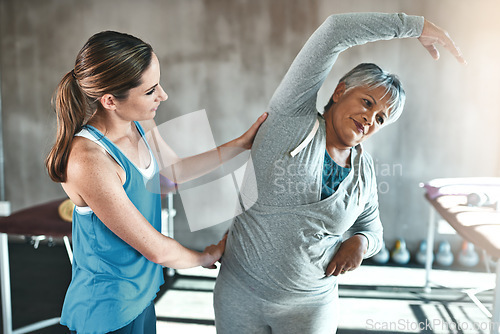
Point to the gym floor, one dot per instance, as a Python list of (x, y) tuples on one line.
[(374, 299)]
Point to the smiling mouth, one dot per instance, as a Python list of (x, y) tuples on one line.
[(359, 126)]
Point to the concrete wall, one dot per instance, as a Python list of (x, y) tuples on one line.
[(228, 56)]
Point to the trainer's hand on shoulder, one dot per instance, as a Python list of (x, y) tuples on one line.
[(246, 139), (433, 35), (213, 253)]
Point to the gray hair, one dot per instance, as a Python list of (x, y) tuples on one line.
[(372, 76)]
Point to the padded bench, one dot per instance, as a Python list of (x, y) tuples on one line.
[(479, 225), (36, 221)]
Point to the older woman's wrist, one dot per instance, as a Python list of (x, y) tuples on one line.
[(363, 240)]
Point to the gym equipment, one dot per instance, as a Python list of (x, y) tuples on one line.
[(468, 256), (444, 256), (478, 225), (400, 253), (421, 256), (39, 222), (383, 256)]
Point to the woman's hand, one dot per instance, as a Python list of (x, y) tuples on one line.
[(432, 35), (349, 256), (246, 139), (213, 253)]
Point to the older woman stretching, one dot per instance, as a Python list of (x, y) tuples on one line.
[(317, 214)]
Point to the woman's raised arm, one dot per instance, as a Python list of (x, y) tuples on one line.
[(298, 90)]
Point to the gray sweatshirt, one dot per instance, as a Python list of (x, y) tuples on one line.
[(282, 244)]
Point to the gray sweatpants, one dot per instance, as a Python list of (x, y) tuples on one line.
[(237, 310)]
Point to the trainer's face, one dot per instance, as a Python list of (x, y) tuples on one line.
[(356, 114), (143, 100)]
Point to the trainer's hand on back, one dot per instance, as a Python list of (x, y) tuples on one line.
[(433, 35), (213, 253)]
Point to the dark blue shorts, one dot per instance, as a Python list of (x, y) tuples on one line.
[(145, 323)]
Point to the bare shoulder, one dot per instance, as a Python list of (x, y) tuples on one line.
[(86, 157), (89, 168)]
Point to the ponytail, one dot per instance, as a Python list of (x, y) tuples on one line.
[(70, 105)]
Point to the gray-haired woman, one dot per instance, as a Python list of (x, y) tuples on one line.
[(316, 215)]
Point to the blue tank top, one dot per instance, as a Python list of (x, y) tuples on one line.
[(112, 283), (333, 175)]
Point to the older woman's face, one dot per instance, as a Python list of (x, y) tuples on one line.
[(356, 114)]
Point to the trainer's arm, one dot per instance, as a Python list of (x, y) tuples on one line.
[(93, 177), (181, 170)]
